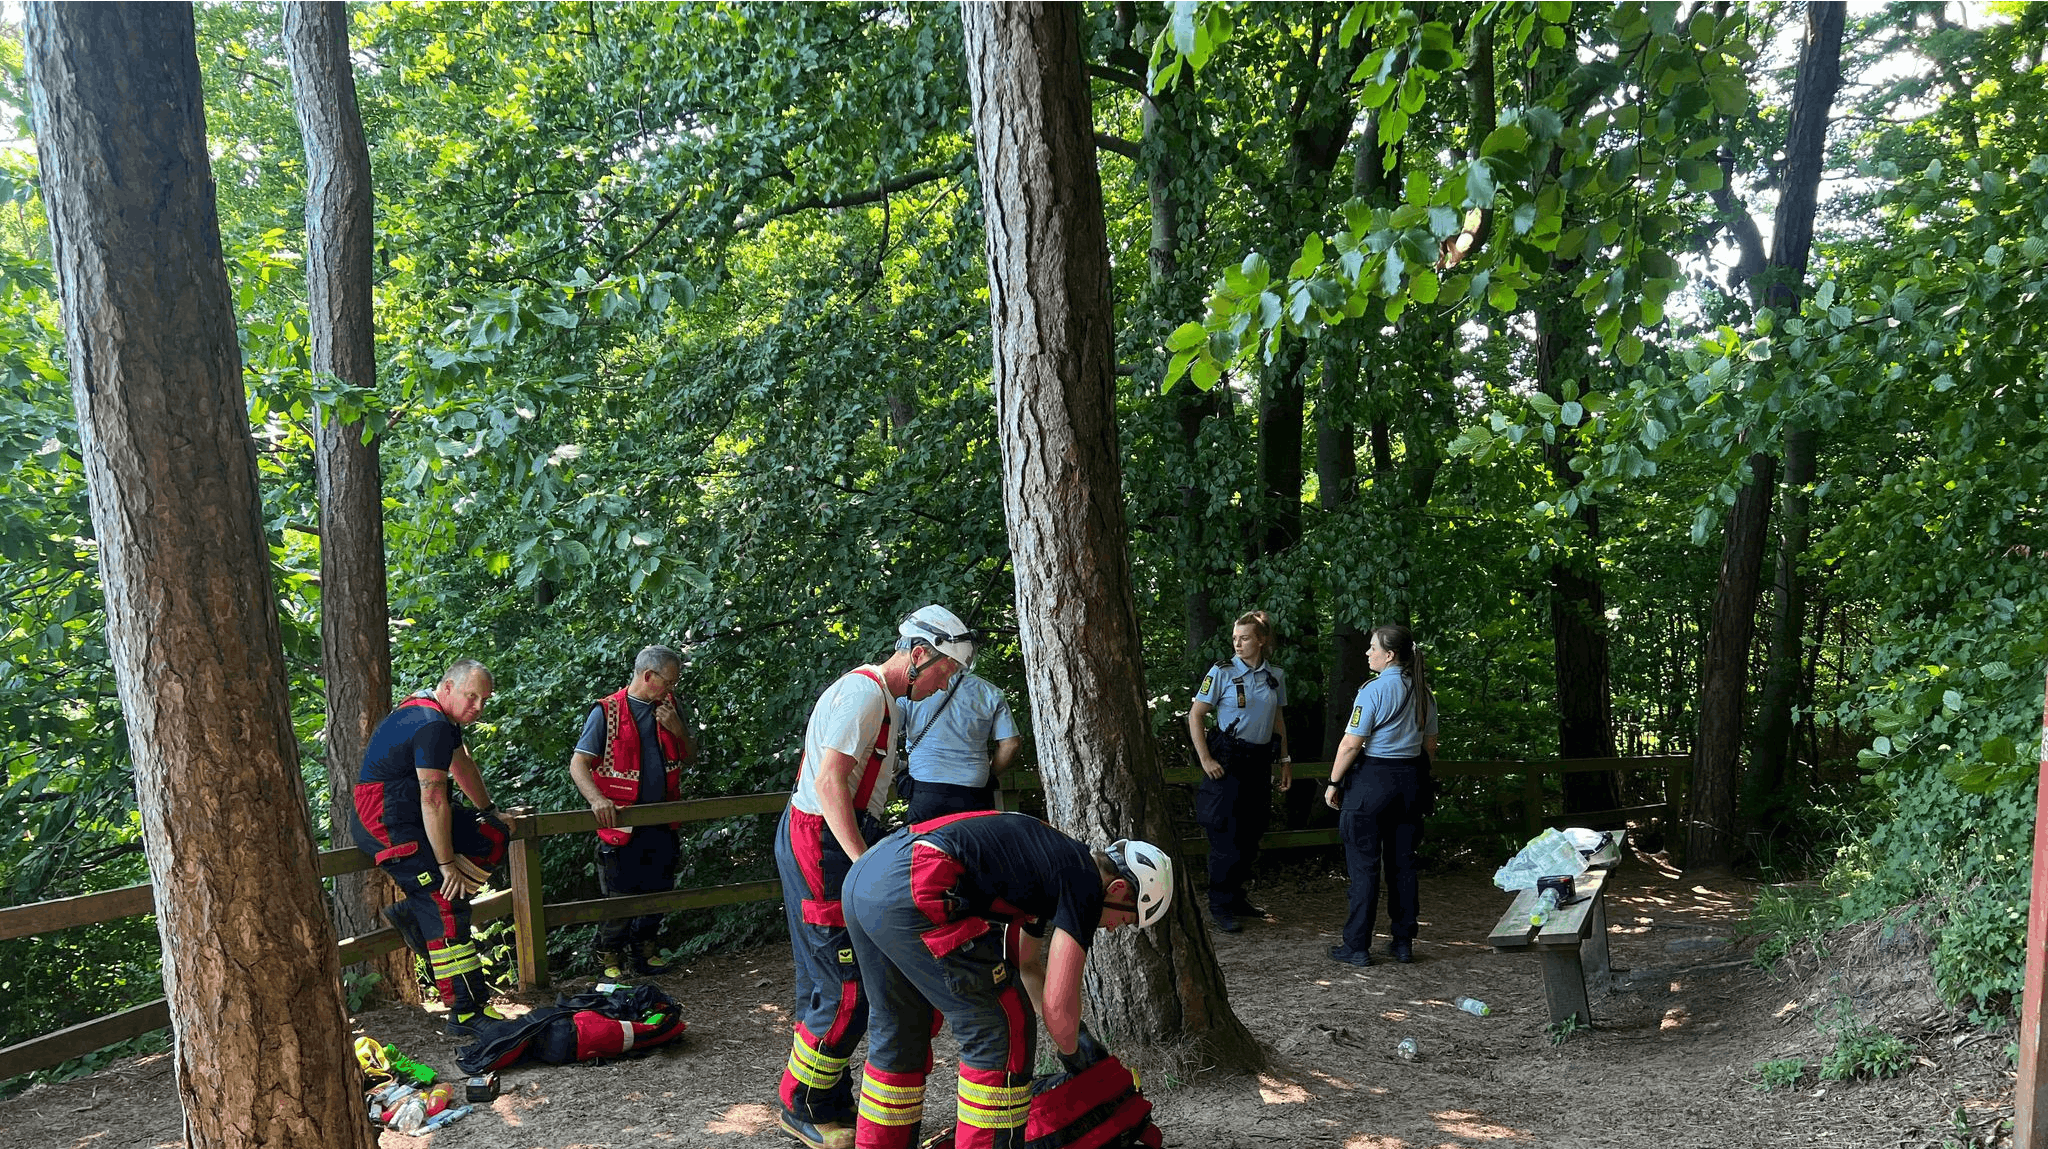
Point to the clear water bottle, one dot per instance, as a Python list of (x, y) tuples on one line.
[(411, 1115), (1407, 1050), (1545, 906), (1474, 1006)]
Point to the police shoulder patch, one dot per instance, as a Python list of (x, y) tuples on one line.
[(1357, 712), (1208, 683)]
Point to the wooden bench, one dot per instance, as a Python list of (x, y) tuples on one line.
[(1573, 941)]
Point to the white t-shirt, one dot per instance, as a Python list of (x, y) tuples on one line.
[(848, 718)]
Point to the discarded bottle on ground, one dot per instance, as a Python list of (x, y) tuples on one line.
[(1474, 1006), (1545, 906), (1407, 1050)]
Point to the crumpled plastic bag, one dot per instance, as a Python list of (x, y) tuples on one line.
[(1548, 855)]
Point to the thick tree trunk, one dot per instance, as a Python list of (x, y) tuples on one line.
[(1063, 501), (355, 627), (1785, 673), (1337, 489), (248, 952), (1578, 601), (1724, 674)]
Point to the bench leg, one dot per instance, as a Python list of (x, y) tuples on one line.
[(1599, 973), (1564, 985)]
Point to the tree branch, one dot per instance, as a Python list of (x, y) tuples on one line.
[(1130, 80), (874, 194), (1123, 147)]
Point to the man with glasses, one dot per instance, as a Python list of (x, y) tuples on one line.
[(632, 750), (842, 787)]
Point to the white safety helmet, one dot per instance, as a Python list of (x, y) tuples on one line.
[(942, 630), (1150, 873)]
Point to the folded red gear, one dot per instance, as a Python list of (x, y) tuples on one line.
[(586, 1027), (1096, 1108)]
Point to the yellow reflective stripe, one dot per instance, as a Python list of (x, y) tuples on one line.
[(897, 1094), (450, 960), (1009, 1118), (994, 1096), (882, 1114), (816, 1059)]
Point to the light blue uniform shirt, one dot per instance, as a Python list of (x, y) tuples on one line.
[(948, 741), (1246, 700), (1384, 714)]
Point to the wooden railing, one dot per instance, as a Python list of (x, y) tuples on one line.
[(523, 900)]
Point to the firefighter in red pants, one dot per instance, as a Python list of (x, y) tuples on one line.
[(841, 788), (438, 853), (947, 917)]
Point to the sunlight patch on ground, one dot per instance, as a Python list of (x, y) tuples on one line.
[(1458, 1123), (1339, 1082), (1394, 1014), (1274, 1091), (508, 1106), (1675, 1018), (745, 1119), (1790, 1007), (1373, 1141)]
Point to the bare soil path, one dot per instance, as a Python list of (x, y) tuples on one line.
[(1667, 1065)]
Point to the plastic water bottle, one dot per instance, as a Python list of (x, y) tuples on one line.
[(411, 1115), (1407, 1050), (1545, 906), (1474, 1006)]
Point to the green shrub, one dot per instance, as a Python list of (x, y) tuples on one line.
[(1780, 1073)]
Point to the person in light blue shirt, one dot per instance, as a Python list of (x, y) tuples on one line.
[(1235, 800), (1380, 784), (946, 740)]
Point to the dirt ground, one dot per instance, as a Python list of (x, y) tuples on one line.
[(1668, 1063)]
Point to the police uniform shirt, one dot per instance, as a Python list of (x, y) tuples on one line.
[(1384, 715), (653, 766), (1247, 701), (947, 741), (1030, 865)]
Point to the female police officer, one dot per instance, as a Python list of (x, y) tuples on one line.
[(1234, 801), (1380, 782)]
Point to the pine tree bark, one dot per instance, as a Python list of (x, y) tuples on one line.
[(1724, 674), (249, 961), (1049, 299), (355, 627)]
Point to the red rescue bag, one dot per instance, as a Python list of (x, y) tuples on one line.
[(586, 1027), (1098, 1108)]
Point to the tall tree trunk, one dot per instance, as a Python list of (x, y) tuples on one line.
[(1785, 673), (1049, 299), (1710, 839), (355, 626), (249, 962), (1578, 601)]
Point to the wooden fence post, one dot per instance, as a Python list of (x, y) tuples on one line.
[(2030, 1093), (529, 913)]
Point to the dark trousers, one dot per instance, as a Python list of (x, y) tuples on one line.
[(1381, 823), (930, 800), (646, 864), (1233, 811), (831, 1004), (452, 959)]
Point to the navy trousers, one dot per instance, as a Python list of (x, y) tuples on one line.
[(646, 864), (1233, 811), (1381, 824)]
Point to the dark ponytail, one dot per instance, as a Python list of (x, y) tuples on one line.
[(1399, 641)]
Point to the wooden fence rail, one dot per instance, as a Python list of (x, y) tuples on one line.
[(523, 900)]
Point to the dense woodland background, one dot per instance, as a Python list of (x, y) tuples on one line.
[(1456, 315)]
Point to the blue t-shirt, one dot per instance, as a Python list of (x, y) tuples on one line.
[(1030, 865), (411, 738), (1384, 715), (1247, 700), (653, 767), (948, 741)]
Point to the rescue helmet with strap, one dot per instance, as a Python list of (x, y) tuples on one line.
[(940, 629), (1150, 873)]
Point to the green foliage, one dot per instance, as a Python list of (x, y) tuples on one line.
[(1787, 916), (1860, 1051), (1560, 1032), (1780, 1073)]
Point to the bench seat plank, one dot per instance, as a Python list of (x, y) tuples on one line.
[(1569, 924)]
